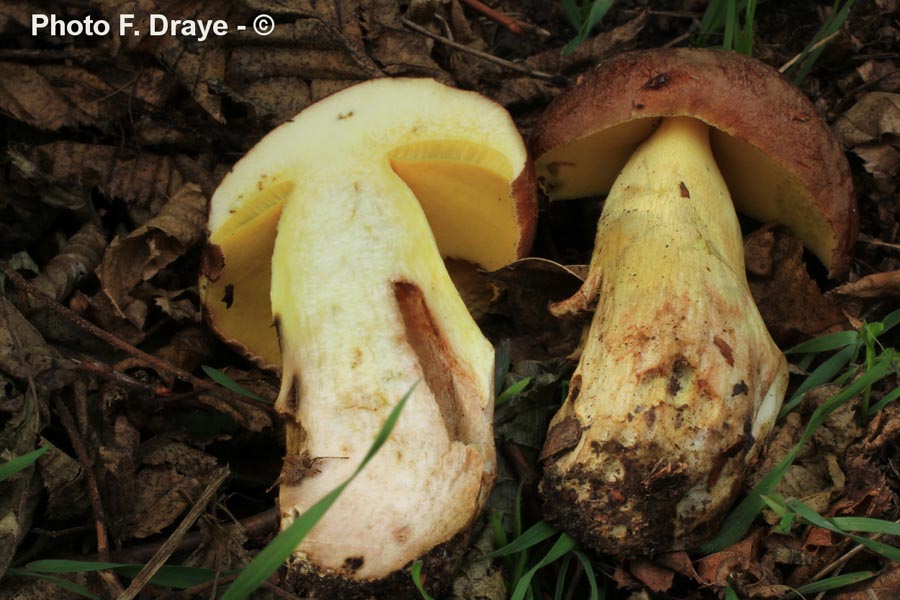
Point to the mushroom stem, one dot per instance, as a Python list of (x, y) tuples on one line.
[(365, 309), (679, 379)]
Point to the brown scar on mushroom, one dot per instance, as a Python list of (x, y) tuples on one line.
[(725, 349)]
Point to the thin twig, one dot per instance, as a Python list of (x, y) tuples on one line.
[(814, 47), (875, 242), (514, 25), (166, 550), (484, 55), (192, 592), (254, 526), (157, 363), (68, 423), (678, 40)]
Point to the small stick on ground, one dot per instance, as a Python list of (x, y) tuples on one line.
[(519, 68), (109, 578), (815, 47), (255, 526), (166, 550), (157, 363), (193, 592), (514, 25)]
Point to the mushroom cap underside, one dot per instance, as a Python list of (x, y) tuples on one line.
[(779, 159), (459, 152)]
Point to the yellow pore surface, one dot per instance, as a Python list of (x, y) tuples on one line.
[(760, 187), (462, 185)]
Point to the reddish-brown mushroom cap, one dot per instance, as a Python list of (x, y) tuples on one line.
[(779, 159)]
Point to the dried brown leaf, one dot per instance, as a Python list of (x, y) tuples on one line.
[(655, 577), (790, 302), (222, 547), (63, 481), (194, 64), (140, 255), (14, 13), (874, 116), (593, 50), (526, 289), (397, 50), (528, 90), (33, 372), (679, 562), (144, 180), (161, 496), (26, 357), (881, 160), (54, 96), (250, 63), (179, 305), (876, 285), (125, 321), (78, 257), (172, 475), (33, 187), (274, 98), (742, 557)]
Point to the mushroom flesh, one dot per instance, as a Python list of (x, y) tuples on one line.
[(344, 213)]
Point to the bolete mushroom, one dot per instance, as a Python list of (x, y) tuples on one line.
[(368, 189), (678, 380)]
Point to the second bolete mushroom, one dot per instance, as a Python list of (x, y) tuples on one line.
[(678, 380), (345, 213)]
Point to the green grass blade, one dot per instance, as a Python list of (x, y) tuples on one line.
[(826, 343), (887, 399), (416, 571), (535, 534), (20, 463), (172, 576), (730, 24), (713, 19), (560, 591), (818, 520), (69, 566), (738, 522), (744, 44), (598, 10), (890, 321), (230, 384), (832, 583), (279, 549), (730, 594), (809, 56), (563, 544), (65, 584), (573, 13), (824, 373), (866, 525), (589, 571), (512, 391)]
